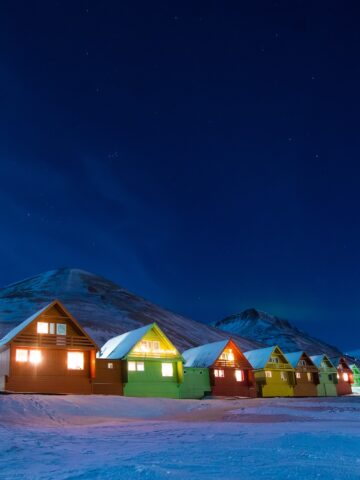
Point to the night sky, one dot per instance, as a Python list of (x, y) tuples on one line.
[(203, 154)]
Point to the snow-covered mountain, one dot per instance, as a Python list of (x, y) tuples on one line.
[(272, 330), (354, 354), (103, 308)]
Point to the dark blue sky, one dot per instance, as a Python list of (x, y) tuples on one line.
[(203, 154)]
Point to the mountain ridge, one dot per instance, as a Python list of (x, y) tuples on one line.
[(272, 330), (104, 308)]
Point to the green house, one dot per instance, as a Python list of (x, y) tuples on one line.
[(152, 366), (356, 371), (327, 376), (196, 383)]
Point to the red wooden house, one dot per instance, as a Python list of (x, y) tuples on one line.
[(50, 352), (230, 372), (344, 374)]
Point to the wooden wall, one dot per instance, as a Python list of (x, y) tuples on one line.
[(51, 375), (108, 381)]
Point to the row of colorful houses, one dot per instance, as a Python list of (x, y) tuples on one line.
[(51, 353)]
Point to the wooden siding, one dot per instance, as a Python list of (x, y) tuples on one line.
[(150, 382), (108, 381), (275, 386), (51, 375), (5, 362), (229, 386), (196, 383)]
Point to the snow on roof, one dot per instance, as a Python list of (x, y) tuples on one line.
[(317, 359), (10, 335), (260, 357), (339, 360), (294, 358), (205, 355), (118, 347)]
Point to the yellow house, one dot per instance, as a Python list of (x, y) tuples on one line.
[(274, 375)]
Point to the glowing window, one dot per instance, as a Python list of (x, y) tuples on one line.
[(227, 355), (140, 367), (52, 328), (61, 328), (219, 373), (268, 374), (167, 369), (35, 356), (239, 375), (309, 377), (131, 366), (110, 365), (21, 355), (75, 360), (298, 375), (42, 327), (338, 376), (274, 359), (283, 376), (345, 377)]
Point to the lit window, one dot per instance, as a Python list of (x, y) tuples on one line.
[(149, 346), (298, 375), (75, 360), (338, 376), (239, 375), (21, 355), (309, 377), (131, 366), (283, 376), (216, 373), (167, 369), (140, 367), (221, 373), (42, 327), (268, 374), (52, 328), (345, 377), (110, 365), (227, 355), (61, 328), (35, 356)]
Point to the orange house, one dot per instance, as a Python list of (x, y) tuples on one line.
[(344, 374), (50, 352)]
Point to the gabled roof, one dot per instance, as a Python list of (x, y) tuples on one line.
[(355, 368), (15, 331), (317, 359), (295, 357), (119, 347), (12, 334), (260, 357), (337, 360), (205, 355)]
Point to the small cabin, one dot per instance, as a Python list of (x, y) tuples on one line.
[(344, 375), (230, 373), (356, 374), (48, 352), (327, 376), (151, 365), (274, 375), (306, 374)]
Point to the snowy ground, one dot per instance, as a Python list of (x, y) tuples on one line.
[(94, 437)]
